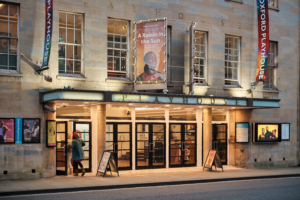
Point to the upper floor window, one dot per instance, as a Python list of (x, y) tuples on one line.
[(9, 37), (70, 43), (117, 47), (270, 70), (200, 46), (273, 3), (232, 60)]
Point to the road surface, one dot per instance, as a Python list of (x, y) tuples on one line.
[(279, 188)]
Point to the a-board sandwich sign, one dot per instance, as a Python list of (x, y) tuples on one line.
[(107, 163), (213, 158)]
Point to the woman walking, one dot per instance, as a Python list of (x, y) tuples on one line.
[(77, 153)]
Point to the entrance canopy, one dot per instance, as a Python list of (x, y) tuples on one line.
[(155, 98)]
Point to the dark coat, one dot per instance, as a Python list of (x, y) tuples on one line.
[(77, 151)]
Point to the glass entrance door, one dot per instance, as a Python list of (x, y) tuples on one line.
[(183, 145), (84, 131), (219, 141), (150, 145), (118, 141), (61, 148)]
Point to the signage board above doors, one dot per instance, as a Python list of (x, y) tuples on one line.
[(134, 97)]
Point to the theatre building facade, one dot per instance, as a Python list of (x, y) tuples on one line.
[(156, 83)]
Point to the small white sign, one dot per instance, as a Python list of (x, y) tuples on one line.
[(285, 131), (242, 132)]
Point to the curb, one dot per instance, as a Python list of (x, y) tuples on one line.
[(110, 187)]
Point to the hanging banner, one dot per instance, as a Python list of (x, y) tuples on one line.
[(48, 31), (151, 59), (18, 130), (263, 39)]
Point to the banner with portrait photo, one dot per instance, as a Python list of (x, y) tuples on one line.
[(7, 130), (150, 52), (31, 130)]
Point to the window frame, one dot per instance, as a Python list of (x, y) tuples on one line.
[(275, 66), (126, 72), (169, 67), (273, 7), (73, 44), (17, 70), (238, 62), (205, 70)]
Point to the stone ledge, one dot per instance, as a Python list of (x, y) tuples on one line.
[(74, 78), (236, 1), (233, 88), (11, 74), (118, 80), (267, 91), (24, 176), (273, 8)]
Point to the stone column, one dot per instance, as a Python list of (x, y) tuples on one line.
[(101, 130), (242, 158), (51, 115), (232, 120), (49, 154), (207, 131)]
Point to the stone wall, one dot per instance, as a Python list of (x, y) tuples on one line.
[(20, 96)]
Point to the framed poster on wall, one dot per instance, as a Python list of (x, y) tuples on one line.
[(267, 133), (50, 133), (7, 130), (31, 130), (285, 131), (242, 132)]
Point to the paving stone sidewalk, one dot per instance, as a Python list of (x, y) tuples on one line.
[(140, 177)]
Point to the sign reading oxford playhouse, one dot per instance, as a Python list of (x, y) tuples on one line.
[(263, 39)]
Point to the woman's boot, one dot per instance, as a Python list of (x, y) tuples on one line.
[(76, 172), (83, 171)]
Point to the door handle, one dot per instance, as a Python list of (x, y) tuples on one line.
[(115, 147), (182, 146), (151, 147), (65, 149)]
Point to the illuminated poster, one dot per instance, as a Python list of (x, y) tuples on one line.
[(263, 39), (7, 131), (31, 131), (268, 133), (48, 31), (51, 134), (210, 158), (150, 51), (104, 162)]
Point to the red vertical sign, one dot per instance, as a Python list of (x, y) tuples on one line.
[(263, 39)]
